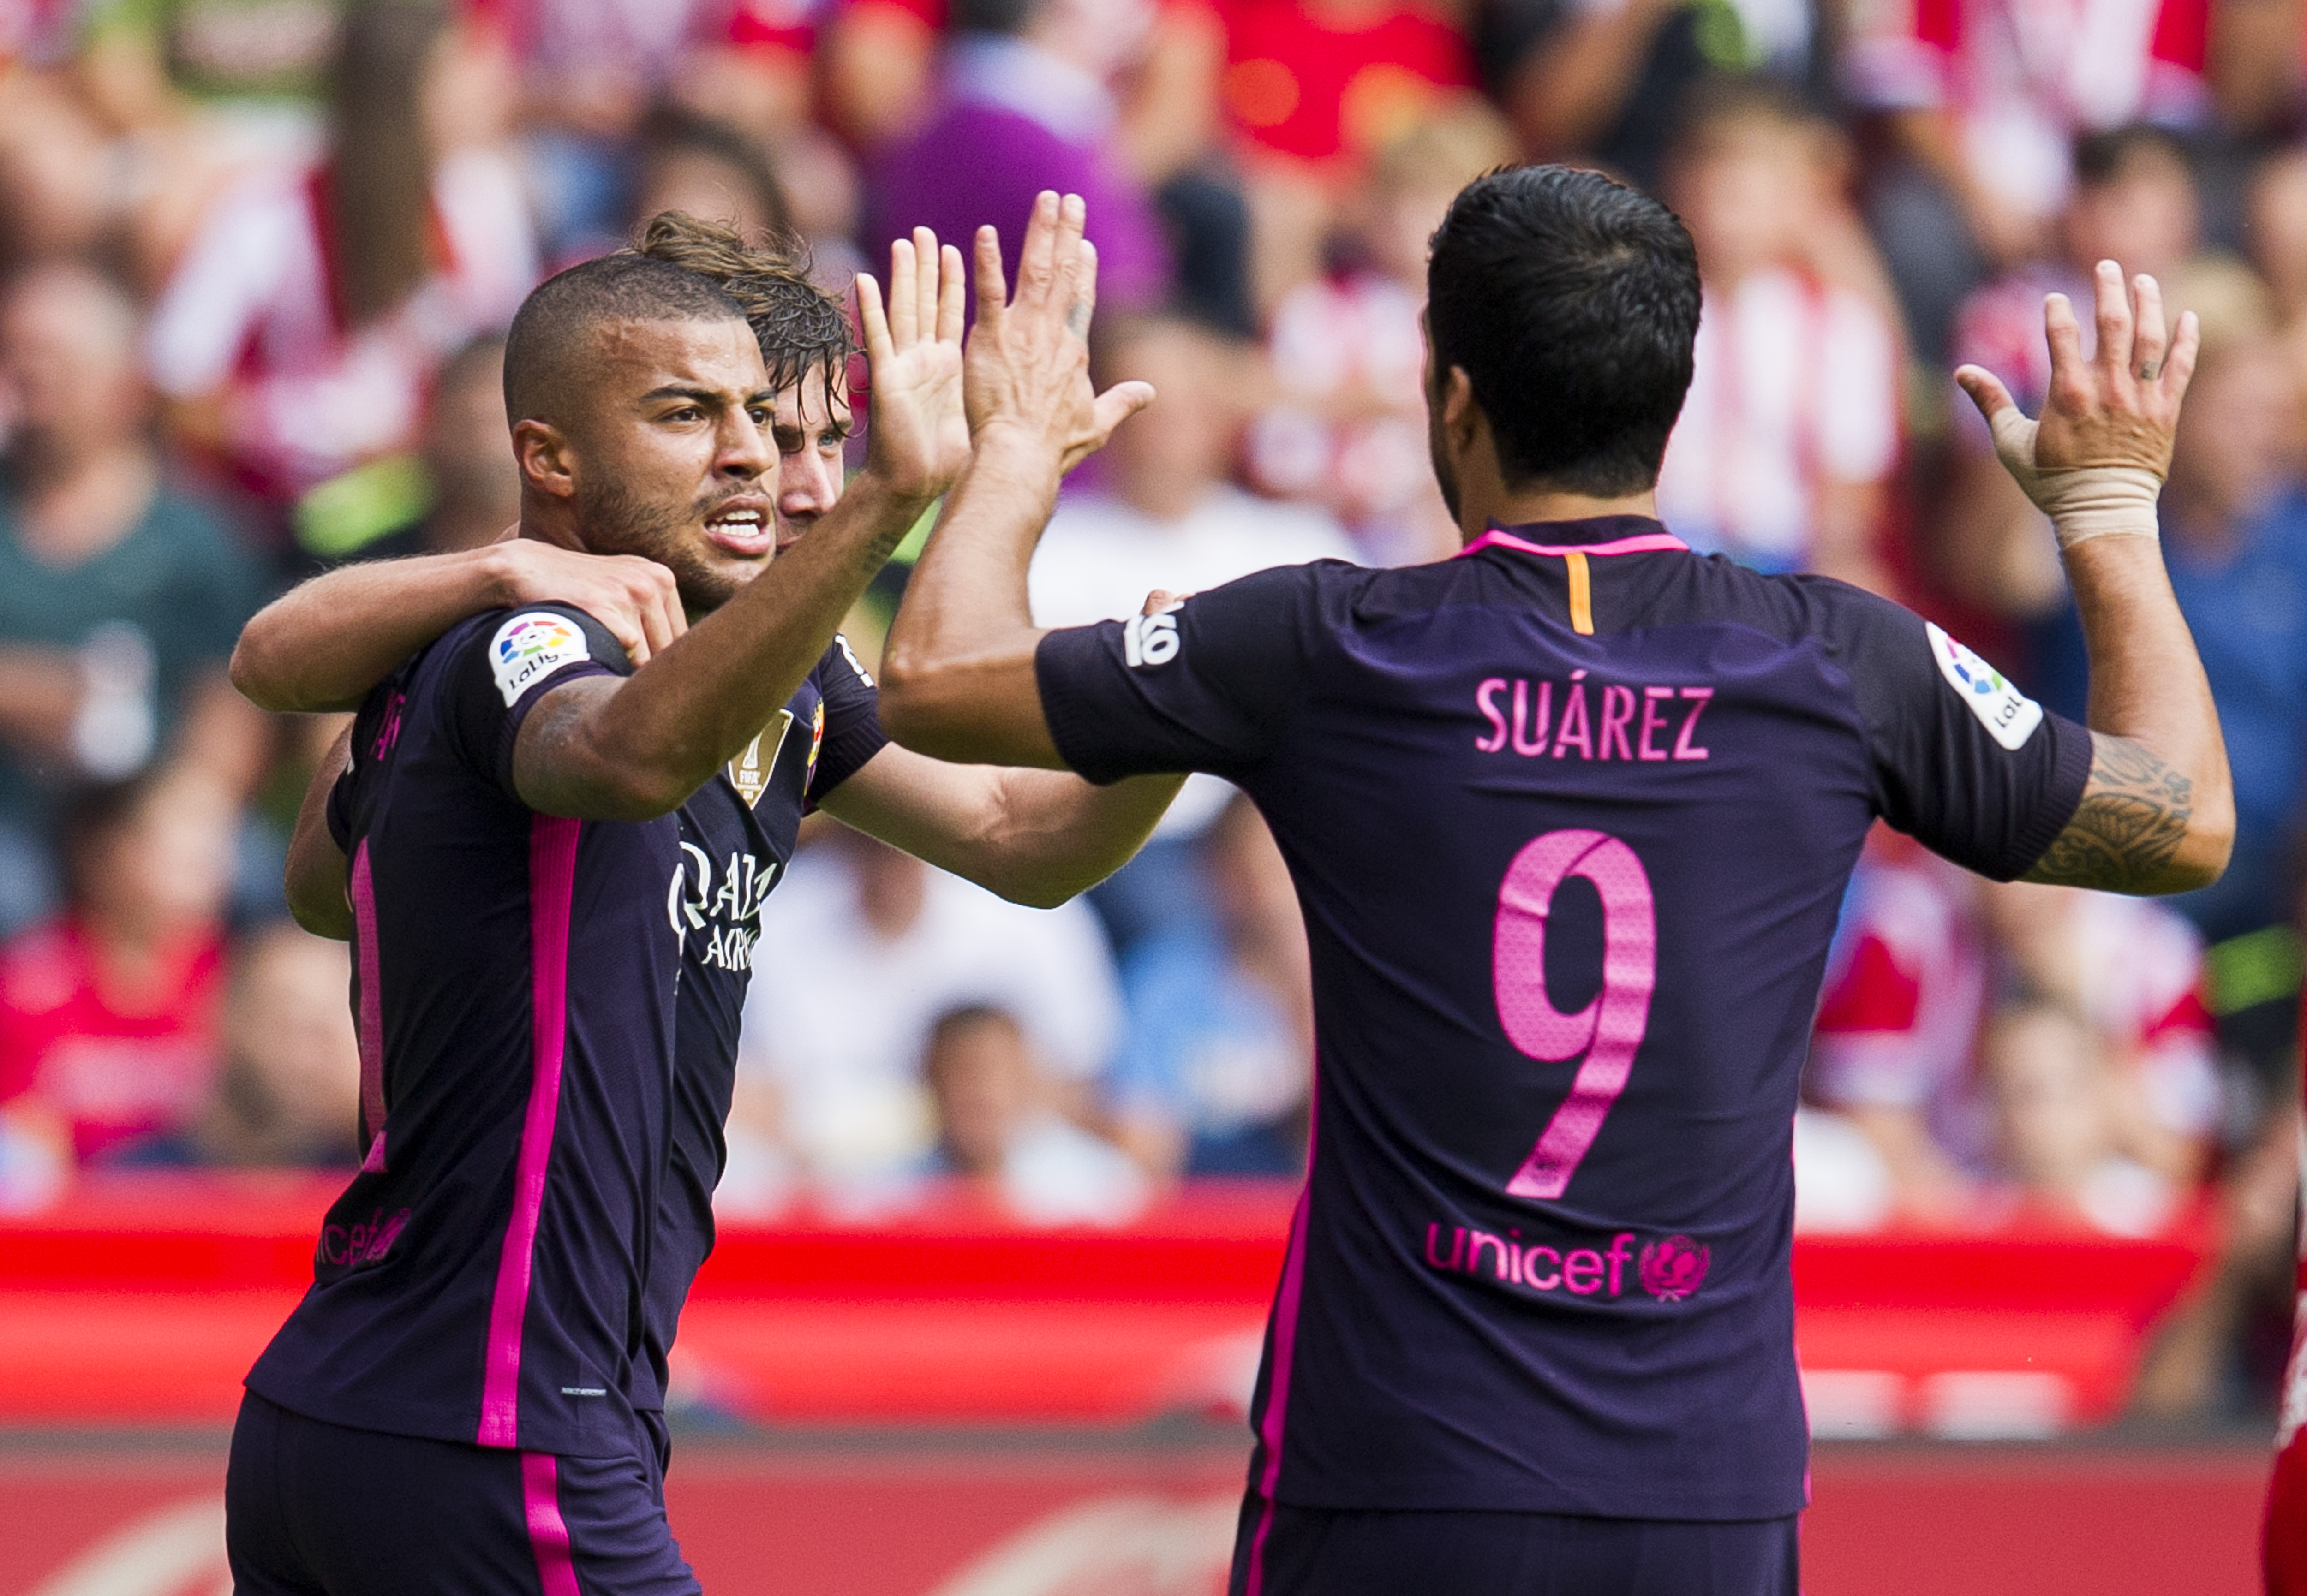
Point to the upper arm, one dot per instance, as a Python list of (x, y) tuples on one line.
[(1964, 762), (1209, 685), (315, 880), (524, 696)]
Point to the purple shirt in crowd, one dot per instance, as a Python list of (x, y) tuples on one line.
[(1011, 123)]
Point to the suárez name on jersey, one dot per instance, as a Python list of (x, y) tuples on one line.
[(1598, 720), (728, 914)]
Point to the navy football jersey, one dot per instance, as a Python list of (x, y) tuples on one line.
[(1570, 816), (506, 1266)]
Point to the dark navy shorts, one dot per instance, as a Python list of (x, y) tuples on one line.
[(316, 1509), (1283, 1550)]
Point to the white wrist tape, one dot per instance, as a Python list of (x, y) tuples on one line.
[(2089, 501)]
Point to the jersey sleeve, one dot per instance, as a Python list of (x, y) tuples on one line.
[(1964, 762), (501, 666), (853, 720), (1210, 685)]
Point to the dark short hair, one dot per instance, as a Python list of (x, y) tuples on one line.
[(799, 326), (1571, 302), (547, 347), (2106, 155)]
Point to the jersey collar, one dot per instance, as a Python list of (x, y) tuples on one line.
[(1605, 534)]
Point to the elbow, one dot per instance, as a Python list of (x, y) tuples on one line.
[(2203, 854), (910, 708), (253, 677)]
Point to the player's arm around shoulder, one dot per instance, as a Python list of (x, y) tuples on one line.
[(2156, 814), (322, 644)]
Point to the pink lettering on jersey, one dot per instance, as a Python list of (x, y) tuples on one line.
[(1574, 716), (1617, 713), (1609, 1029), (1627, 725), (1669, 1269)]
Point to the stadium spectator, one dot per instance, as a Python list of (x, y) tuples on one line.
[(1786, 444), (108, 1014), (2060, 1113), (1026, 103), (288, 1094), (997, 1128), (1347, 427), (59, 191), (862, 949), (459, 491), (712, 171), (1981, 102), (1166, 519), (296, 337), (119, 595), (2131, 970), (1898, 1024), (1213, 1076)]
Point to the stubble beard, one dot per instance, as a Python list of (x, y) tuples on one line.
[(615, 521)]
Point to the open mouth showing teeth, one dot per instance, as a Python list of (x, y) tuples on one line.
[(743, 530)]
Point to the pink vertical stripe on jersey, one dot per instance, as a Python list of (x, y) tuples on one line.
[(1285, 1345), (548, 1532), (1649, 542), (552, 886), (371, 1009)]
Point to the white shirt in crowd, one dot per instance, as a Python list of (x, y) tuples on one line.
[(1796, 382), (838, 1019)]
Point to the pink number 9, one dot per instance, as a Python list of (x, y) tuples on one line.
[(1608, 1029)]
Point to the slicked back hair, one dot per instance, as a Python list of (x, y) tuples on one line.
[(550, 343), (1571, 302), (799, 326)]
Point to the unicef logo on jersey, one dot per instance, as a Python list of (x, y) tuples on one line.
[(1675, 1268), (1670, 1269)]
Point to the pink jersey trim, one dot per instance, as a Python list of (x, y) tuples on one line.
[(1285, 1345), (552, 885), (548, 1532), (1649, 542), (371, 1019)]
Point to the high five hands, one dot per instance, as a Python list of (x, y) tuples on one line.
[(2096, 460), (1025, 379)]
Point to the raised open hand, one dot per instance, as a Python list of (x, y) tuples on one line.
[(2117, 411), (918, 440), (1028, 368)]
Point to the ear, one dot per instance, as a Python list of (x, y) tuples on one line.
[(1461, 415), (547, 463)]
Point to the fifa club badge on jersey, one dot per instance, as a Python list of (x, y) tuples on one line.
[(816, 742), (2009, 715), (528, 648), (750, 772)]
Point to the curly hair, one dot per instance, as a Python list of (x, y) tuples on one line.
[(801, 327)]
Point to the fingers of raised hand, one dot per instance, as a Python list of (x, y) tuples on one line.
[(927, 272), (2150, 339), (1084, 286), (2111, 308), (952, 296), (2179, 365), (904, 303), (992, 281), (2071, 383), (872, 318), (1066, 246), (1986, 390), (1037, 260)]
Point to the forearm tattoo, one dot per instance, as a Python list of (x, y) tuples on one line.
[(2131, 821)]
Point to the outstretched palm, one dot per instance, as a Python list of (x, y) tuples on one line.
[(918, 441), (2120, 407)]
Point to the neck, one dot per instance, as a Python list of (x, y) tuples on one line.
[(1478, 513)]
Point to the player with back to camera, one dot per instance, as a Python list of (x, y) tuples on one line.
[(551, 865), (1570, 816)]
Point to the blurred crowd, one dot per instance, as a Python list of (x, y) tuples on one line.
[(256, 256)]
